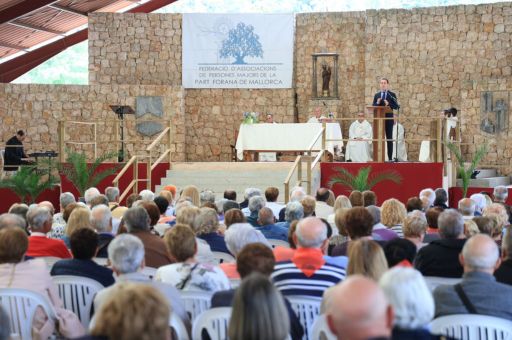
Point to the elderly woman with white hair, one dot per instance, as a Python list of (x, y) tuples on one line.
[(294, 211), (498, 212), (206, 226), (412, 302), (256, 203), (238, 236)]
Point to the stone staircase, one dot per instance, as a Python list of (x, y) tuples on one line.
[(487, 178), (219, 176)]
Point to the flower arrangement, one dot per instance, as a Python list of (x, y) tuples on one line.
[(251, 117)]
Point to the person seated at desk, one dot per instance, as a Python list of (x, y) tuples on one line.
[(14, 153), (317, 117), (269, 118), (360, 135)]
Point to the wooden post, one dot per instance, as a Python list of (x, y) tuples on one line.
[(148, 171), (308, 171), (62, 146), (286, 192), (379, 140), (324, 137), (299, 171), (314, 81), (439, 139), (136, 176)]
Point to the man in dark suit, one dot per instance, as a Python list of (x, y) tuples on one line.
[(478, 292), (14, 153), (387, 98), (256, 257), (84, 245)]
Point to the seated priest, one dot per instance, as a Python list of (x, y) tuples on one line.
[(400, 151), (317, 116), (359, 144)]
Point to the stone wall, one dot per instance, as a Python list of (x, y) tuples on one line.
[(343, 33), (213, 118), (135, 49), (440, 57), (435, 58), (38, 109)]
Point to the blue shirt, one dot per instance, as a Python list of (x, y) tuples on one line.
[(274, 232), (215, 241)]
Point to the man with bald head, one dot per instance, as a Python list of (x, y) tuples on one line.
[(322, 209), (268, 228), (478, 292), (357, 309), (308, 272)]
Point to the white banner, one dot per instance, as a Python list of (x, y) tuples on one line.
[(237, 50)]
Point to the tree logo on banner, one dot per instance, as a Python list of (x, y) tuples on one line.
[(241, 42)]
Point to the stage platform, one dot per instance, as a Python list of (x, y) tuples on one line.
[(415, 177)]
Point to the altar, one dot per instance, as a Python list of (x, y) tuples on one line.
[(286, 137)]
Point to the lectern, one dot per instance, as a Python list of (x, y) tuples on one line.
[(379, 131)]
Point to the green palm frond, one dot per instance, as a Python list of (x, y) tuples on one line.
[(28, 184), (84, 176), (361, 179), (344, 177), (388, 175), (364, 179), (465, 174)]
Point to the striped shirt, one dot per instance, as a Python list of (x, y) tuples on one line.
[(291, 280), (397, 228)]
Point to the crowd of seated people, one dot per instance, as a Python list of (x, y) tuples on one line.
[(368, 263)]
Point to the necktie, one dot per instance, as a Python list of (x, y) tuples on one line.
[(385, 95), (382, 95)]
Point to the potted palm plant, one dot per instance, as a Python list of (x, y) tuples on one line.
[(83, 175), (28, 183), (364, 179), (463, 171)]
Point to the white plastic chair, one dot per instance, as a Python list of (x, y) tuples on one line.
[(434, 281), (177, 324), (20, 305), (278, 243), (221, 257), (320, 330), (470, 327), (149, 271), (196, 302), (307, 309), (77, 294), (215, 321)]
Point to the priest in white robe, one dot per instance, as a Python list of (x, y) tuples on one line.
[(400, 151), (359, 144)]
